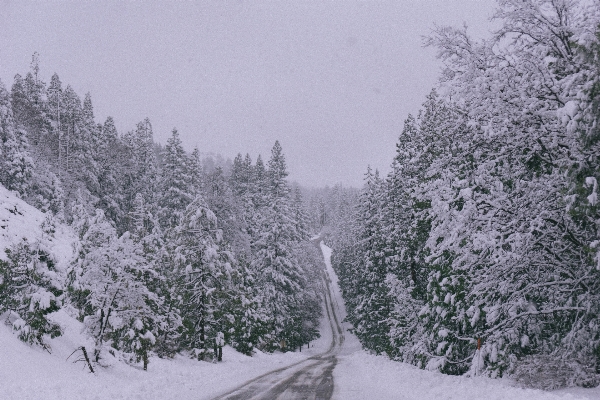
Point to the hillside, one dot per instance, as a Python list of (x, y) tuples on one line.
[(29, 372), (19, 220)]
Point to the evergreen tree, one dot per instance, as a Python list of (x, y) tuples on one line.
[(141, 176), (16, 166), (205, 278), (110, 161), (278, 274), (175, 182), (29, 291), (196, 173)]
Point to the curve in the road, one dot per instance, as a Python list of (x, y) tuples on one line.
[(308, 379)]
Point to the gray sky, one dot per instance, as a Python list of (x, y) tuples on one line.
[(332, 80)]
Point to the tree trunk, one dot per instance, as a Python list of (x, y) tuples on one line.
[(145, 358), (87, 360)]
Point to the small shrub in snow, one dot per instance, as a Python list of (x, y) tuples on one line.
[(29, 291)]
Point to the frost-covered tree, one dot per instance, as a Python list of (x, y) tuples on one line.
[(279, 276), (141, 175), (205, 281), (107, 283), (16, 165), (30, 289), (110, 162), (176, 193), (195, 173)]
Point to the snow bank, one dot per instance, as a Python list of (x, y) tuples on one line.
[(31, 373), (361, 375), (19, 220)]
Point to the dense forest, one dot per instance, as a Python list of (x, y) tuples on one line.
[(176, 252), (478, 252)]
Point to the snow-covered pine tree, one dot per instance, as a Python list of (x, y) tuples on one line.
[(38, 185), (279, 276), (110, 162), (88, 144), (30, 290), (16, 165), (236, 179), (205, 281), (373, 302), (228, 210), (162, 280), (406, 229), (175, 182), (107, 284), (195, 172), (141, 176)]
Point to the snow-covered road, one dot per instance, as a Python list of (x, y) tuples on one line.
[(308, 379)]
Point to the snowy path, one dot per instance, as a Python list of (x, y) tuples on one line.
[(308, 379)]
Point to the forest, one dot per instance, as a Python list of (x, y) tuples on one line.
[(176, 252), (477, 254)]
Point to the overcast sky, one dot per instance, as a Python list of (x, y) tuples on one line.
[(332, 80)]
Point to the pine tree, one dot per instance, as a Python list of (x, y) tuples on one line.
[(16, 166), (110, 162), (141, 175), (29, 291), (196, 173), (163, 280), (175, 182), (278, 274), (205, 277)]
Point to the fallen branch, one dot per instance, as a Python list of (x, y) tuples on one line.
[(85, 358)]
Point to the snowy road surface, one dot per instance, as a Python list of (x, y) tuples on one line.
[(308, 379)]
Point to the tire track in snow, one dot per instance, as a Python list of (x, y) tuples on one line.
[(308, 379)]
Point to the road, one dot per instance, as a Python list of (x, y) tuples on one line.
[(308, 379)]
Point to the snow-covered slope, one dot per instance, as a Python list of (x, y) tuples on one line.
[(28, 372), (19, 220)]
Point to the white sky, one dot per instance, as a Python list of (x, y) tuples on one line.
[(332, 80)]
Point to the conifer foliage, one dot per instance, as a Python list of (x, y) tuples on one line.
[(478, 253), (176, 253)]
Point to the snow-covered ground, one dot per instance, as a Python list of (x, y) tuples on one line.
[(31, 373), (360, 375), (19, 220)]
